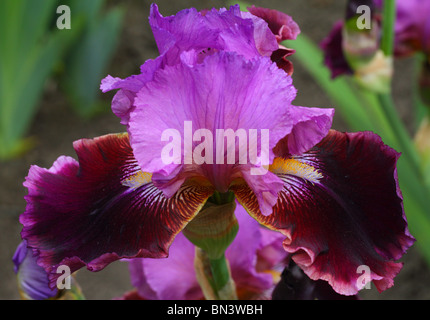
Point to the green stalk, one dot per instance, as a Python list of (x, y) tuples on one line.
[(214, 277), (385, 99), (388, 21), (212, 231), (222, 281), (403, 138)]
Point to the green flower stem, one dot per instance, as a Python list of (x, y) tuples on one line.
[(385, 99), (388, 21), (214, 277), (403, 138), (222, 280), (212, 231)]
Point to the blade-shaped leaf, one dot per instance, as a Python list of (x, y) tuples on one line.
[(87, 62)]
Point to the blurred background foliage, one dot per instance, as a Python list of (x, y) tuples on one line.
[(33, 48)]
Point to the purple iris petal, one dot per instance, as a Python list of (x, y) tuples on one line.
[(102, 208), (265, 40), (172, 278), (224, 92), (205, 33), (253, 253), (225, 29), (248, 255), (186, 30), (32, 279), (123, 100), (312, 125), (341, 208)]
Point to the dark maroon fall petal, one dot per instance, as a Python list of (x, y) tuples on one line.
[(280, 58), (102, 208), (281, 24), (296, 285), (341, 208), (284, 28)]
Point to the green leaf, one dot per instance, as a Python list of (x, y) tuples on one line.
[(87, 62), (31, 50), (420, 109)]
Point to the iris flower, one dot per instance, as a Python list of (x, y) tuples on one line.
[(255, 257), (333, 196)]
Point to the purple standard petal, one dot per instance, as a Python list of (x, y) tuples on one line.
[(224, 92), (265, 40), (201, 32), (122, 102), (186, 30), (32, 279), (102, 208), (341, 211), (252, 254), (311, 126), (228, 30)]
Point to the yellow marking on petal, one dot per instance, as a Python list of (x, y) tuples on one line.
[(276, 275), (295, 168), (138, 179), (121, 134)]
